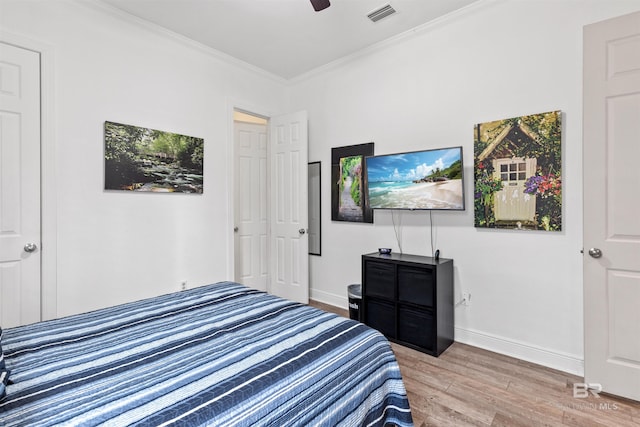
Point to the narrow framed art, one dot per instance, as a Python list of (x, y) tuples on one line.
[(347, 183)]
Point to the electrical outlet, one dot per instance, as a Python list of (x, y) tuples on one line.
[(466, 298), (183, 285)]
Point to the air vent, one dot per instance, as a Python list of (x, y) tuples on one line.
[(381, 12)]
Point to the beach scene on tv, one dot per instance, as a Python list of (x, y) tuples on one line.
[(418, 180)]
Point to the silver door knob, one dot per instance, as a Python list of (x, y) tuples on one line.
[(302, 231), (595, 252), (30, 247), (235, 229)]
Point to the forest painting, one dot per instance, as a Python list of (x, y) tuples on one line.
[(347, 186), (518, 173), (142, 159)]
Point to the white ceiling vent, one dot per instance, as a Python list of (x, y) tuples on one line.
[(381, 12)]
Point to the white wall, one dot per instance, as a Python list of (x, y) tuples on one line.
[(494, 60), (114, 247)]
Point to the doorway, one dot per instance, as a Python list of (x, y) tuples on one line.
[(270, 203)]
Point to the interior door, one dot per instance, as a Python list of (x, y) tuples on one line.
[(19, 186), (612, 205), (289, 207), (251, 207)]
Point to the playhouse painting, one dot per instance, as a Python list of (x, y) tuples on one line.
[(518, 173)]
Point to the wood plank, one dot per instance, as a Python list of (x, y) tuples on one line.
[(441, 415), (508, 403), (425, 397), (504, 419)]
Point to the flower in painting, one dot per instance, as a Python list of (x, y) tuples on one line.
[(532, 183), (486, 186), (543, 185)]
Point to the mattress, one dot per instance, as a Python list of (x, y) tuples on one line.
[(221, 354)]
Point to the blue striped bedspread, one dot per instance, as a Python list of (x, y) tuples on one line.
[(221, 354)]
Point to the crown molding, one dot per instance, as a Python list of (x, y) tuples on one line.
[(108, 9), (100, 6), (392, 41)]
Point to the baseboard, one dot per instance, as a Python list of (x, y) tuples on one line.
[(553, 359), (570, 363), (331, 299)]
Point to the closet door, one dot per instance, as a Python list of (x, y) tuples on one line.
[(20, 232), (612, 205)]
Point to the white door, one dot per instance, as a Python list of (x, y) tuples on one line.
[(19, 186), (251, 207), (289, 207), (611, 134)]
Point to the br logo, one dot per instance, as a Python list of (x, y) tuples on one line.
[(581, 390)]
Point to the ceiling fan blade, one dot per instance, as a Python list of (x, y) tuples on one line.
[(319, 5)]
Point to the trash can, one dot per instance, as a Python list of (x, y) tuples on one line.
[(355, 298)]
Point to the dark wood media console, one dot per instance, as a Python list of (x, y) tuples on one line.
[(409, 298)]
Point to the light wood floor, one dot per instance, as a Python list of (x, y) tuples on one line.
[(469, 386)]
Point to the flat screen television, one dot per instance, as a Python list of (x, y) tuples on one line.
[(418, 180)]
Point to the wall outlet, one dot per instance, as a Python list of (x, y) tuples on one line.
[(183, 285), (466, 298)]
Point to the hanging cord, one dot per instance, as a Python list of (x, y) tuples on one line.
[(395, 230)]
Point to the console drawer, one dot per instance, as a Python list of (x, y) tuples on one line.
[(381, 315), (380, 279), (415, 285), (415, 327)]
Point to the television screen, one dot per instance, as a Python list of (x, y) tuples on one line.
[(430, 179)]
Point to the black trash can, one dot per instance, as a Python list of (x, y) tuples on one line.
[(355, 299)]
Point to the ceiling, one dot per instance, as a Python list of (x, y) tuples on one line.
[(287, 38)]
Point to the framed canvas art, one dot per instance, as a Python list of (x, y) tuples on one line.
[(347, 183), (518, 173), (142, 159)]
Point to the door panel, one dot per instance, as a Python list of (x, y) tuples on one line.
[(251, 210), (612, 205), (623, 296), (19, 185), (623, 125), (290, 244)]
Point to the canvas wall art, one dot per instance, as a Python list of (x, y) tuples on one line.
[(142, 159), (518, 173), (347, 186)]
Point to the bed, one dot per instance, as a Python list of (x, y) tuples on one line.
[(221, 354)]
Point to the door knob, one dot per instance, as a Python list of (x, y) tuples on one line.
[(235, 229), (595, 252), (302, 231), (30, 247)]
